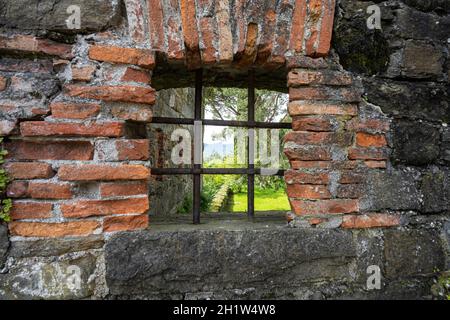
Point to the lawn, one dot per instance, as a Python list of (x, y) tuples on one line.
[(265, 200)]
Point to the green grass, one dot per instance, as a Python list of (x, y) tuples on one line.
[(265, 200)]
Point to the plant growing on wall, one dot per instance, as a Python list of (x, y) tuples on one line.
[(5, 203)]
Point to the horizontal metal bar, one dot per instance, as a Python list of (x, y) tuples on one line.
[(224, 123), (224, 171)]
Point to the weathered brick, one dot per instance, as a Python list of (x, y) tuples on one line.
[(326, 28), (136, 75), (298, 26), (124, 223), (114, 189), (307, 153), (315, 9), (6, 127), (375, 220), (248, 56), (136, 20), (312, 124), (310, 164), (298, 77), (224, 31), (83, 73), (324, 93), (140, 57), (43, 128), (298, 177), (34, 45), (89, 172), (305, 138), (367, 154), (53, 230), (190, 34), (376, 164), (31, 210), (3, 83), (17, 189), (266, 41), (121, 93), (50, 150), (368, 126), (350, 191), (49, 190), (370, 140), (156, 25), (333, 206), (301, 61), (299, 108), (351, 177), (69, 110), (29, 170), (89, 208), (140, 113), (308, 191), (121, 150)]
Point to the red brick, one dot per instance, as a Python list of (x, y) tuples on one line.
[(83, 73), (43, 128), (139, 113), (334, 206), (49, 190), (224, 31), (296, 177), (69, 110), (299, 108), (350, 191), (324, 93), (298, 26), (156, 25), (113, 189), (34, 45), (53, 230), (3, 83), (135, 75), (367, 154), (312, 124), (175, 45), (376, 164), (370, 140), (352, 177), (17, 189), (305, 138), (140, 57), (122, 93), (248, 56), (301, 61), (29, 170), (266, 42), (307, 153), (368, 126), (308, 191), (50, 150), (90, 172), (31, 210), (310, 164), (190, 34), (89, 208), (6, 127), (208, 50), (125, 223), (375, 220), (326, 28), (298, 77)]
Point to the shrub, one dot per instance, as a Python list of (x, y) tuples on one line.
[(5, 203)]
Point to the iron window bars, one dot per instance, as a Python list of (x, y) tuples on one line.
[(197, 169)]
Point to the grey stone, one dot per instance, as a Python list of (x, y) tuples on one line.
[(52, 277), (396, 190), (415, 143), (54, 247), (412, 252), (51, 15), (165, 263), (435, 187), (422, 60), (4, 243)]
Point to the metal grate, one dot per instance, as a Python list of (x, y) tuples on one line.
[(197, 171)]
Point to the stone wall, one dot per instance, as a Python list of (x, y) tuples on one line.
[(369, 176)]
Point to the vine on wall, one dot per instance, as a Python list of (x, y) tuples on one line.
[(5, 203)]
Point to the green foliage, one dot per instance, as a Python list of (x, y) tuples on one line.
[(265, 200), (5, 204)]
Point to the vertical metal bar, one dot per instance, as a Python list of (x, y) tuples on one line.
[(250, 147), (197, 117)]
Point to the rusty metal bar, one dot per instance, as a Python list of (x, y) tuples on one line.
[(224, 123)]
